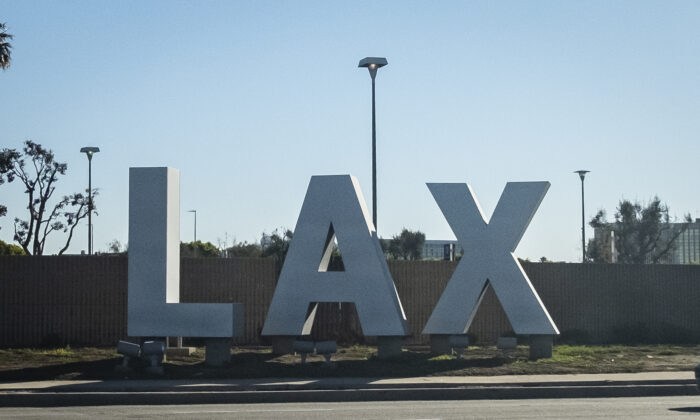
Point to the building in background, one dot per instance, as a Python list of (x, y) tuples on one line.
[(605, 240), (437, 249), (686, 248)]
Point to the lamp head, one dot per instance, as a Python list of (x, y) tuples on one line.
[(89, 151), (582, 173), (373, 64)]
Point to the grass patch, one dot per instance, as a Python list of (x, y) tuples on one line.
[(355, 361), (442, 357), (65, 352), (29, 357)]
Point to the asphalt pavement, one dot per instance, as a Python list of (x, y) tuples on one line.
[(193, 391), (578, 408)]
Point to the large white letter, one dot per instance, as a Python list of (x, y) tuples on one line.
[(334, 207), (488, 259), (154, 266)]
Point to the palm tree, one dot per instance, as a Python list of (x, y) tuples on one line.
[(5, 47)]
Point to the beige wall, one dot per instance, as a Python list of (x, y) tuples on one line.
[(82, 300)]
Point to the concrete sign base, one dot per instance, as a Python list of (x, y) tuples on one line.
[(541, 346), (218, 351), (282, 344), (389, 346), (440, 344)]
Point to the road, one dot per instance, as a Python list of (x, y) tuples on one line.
[(600, 408)]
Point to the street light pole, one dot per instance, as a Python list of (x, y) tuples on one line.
[(373, 64), (178, 342), (195, 223), (89, 151), (582, 174), (374, 157)]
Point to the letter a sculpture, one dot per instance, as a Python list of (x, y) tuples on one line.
[(489, 261), (334, 207)]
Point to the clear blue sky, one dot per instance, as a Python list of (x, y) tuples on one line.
[(250, 99)]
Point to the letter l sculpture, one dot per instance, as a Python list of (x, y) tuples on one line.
[(154, 308)]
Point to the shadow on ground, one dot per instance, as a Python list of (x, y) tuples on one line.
[(97, 369), (686, 409), (251, 365), (262, 365)]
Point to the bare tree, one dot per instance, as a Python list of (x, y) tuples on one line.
[(6, 158), (39, 171), (5, 47)]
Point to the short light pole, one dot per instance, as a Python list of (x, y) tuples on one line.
[(195, 223), (372, 64), (179, 339), (89, 151), (582, 174)]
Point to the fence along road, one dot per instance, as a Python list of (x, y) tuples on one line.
[(82, 300)]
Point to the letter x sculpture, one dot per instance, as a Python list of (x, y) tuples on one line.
[(488, 259)]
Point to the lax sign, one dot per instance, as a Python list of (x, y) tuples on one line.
[(333, 211)]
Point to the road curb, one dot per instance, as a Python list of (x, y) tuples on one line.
[(282, 385), (58, 399)]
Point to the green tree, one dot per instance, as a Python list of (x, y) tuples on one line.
[(643, 234), (244, 249), (276, 245), (408, 245), (199, 249), (5, 47), (116, 248), (10, 249), (39, 178)]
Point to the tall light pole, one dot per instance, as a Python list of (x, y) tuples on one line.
[(372, 64), (582, 174), (195, 223), (89, 151)]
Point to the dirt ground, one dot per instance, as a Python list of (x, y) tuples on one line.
[(356, 361)]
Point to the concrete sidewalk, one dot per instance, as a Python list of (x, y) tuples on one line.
[(155, 391)]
